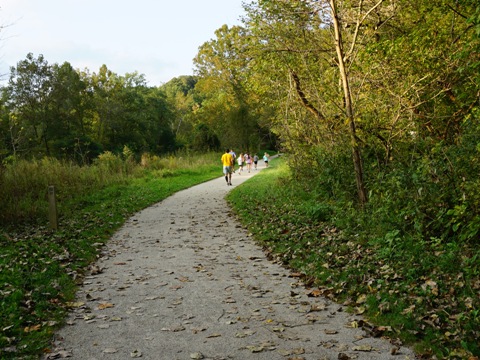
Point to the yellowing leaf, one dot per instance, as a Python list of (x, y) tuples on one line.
[(363, 348), (361, 299), (255, 349), (103, 306), (32, 328)]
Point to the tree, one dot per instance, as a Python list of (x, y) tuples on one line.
[(183, 100), (222, 67), (127, 113), (295, 36), (30, 91)]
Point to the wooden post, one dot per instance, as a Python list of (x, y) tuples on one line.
[(52, 208)]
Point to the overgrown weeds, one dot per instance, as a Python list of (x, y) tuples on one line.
[(422, 290)]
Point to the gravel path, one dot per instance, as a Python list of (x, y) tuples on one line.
[(183, 280)]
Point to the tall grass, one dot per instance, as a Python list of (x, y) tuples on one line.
[(24, 184)]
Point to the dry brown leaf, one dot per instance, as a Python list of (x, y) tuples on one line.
[(255, 349), (104, 305), (32, 328), (214, 336), (315, 293), (136, 354)]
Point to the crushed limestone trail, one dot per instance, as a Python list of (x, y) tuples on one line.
[(183, 280)]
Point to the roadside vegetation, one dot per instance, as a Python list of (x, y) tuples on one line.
[(41, 268), (422, 292)]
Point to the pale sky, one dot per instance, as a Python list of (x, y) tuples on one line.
[(157, 38)]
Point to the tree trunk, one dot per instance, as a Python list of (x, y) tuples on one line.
[(357, 159)]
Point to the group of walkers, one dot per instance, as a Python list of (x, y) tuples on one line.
[(244, 160)]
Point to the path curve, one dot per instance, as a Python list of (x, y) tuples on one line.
[(183, 280)]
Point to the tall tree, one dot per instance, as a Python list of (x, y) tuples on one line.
[(30, 90), (183, 100), (222, 67)]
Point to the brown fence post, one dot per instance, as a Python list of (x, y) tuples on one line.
[(52, 208)]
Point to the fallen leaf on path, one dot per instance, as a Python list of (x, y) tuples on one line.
[(353, 324), (197, 356), (366, 348), (255, 349), (245, 334), (110, 351), (330, 332), (104, 305), (177, 328), (298, 351), (197, 330), (59, 355), (314, 293), (135, 354), (317, 307)]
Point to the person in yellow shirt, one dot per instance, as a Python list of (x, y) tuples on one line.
[(227, 162)]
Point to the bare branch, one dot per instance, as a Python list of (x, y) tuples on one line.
[(359, 23)]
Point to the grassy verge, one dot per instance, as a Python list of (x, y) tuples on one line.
[(40, 268), (428, 299)]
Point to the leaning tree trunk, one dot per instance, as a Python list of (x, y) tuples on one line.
[(357, 159)]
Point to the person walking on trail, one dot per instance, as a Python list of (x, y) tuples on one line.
[(265, 159), (240, 163), (248, 160), (255, 161), (227, 162), (234, 158)]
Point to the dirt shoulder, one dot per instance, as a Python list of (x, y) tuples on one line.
[(183, 280)]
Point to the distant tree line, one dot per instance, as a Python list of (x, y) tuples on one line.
[(52, 110), (57, 111)]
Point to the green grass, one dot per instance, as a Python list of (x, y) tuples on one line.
[(427, 296), (40, 268)]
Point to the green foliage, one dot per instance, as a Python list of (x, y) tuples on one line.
[(56, 111), (205, 139), (228, 107)]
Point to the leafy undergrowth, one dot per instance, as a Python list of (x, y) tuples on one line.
[(424, 294), (40, 268)]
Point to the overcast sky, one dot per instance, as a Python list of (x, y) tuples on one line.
[(157, 38)]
